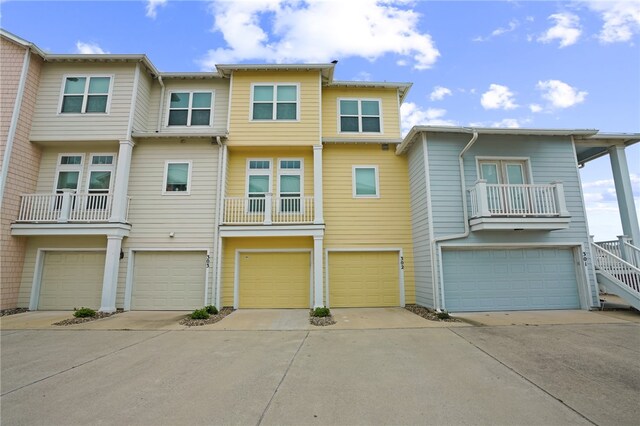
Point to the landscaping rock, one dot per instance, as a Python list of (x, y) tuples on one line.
[(99, 315), (322, 321), (429, 314), (211, 320), (12, 311)]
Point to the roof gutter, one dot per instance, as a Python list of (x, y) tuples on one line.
[(160, 109)]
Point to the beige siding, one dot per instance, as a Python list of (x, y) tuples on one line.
[(383, 222), (390, 112), (153, 216), (220, 87), (305, 131), (23, 166), (49, 124), (143, 102)]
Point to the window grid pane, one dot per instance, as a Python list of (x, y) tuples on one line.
[(74, 85), (200, 117), (370, 124), (366, 181), (178, 117), (290, 184), (287, 93), (68, 180), (263, 111), (179, 100), (99, 85), (177, 177), (201, 100), (101, 159), (370, 108), (259, 164), (71, 159), (72, 103), (97, 103), (286, 111), (263, 93), (349, 124), (99, 180), (290, 164)]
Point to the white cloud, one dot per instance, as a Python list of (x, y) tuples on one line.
[(363, 76), (439, 93), (153, 6), (560, 94), (89, 49), (498, 97), (284, 31), (621, 19), (535, 108), (509, 123), (566, 29), (413, 115), (513, 24)]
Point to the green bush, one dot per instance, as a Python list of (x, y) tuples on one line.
[(443, 315), (321, 312), (200, 314), (84, 313), (211, 309)]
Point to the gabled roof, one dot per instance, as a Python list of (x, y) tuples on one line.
[(403, 88), (22, 42), (325, 69)]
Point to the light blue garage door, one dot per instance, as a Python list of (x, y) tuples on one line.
[(509, 280)]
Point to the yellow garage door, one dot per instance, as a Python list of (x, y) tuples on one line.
[(71, 279), (274, 280), (363, 279), (172, 280)]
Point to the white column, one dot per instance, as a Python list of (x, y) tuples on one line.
[(65, 207), (561, 203), (317, 185), (110, 277), (624, 193), (121, 184), (482, 198), (318, 300)]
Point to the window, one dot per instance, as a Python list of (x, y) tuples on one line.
[(275, 102), (365, 182), (290, 184), (258, 184), (177, 178), (68, 173), (498, 172), (86, 94), (101, 168), (359, 116), (190, 109)]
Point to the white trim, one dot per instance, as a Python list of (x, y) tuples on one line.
[(258, 172), (85, 95), (46, 229), (101, 168), (399, 250), (429, 212), (236, 275), (189, 109), (164, 179), (290, 172), (317, 185), (134, 102), (504, 161), (131, 265), (353, 180), (230, 101), (36, 283), (69, 168), (272, 231), (275, 102), (359, 116)]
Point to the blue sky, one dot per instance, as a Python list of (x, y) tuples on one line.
[(563, 64)]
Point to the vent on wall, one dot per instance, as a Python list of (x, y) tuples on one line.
[(384, 146)]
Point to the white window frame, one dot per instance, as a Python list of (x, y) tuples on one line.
[(259, 172), (85, 95), (166, 172), (274, 102), (101, 168), (353, 181), (69, 168), (189, 108), (291, 172), (359, 100), (502, 162)]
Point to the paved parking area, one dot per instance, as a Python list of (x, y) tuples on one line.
[(548, 374)]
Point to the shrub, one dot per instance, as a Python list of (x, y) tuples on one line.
[(84, 313), (211, 309), (200, 314), (321, 312), (443, 315)]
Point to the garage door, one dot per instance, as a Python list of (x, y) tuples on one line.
[(504, 280), (71, 280), (363, 279), (168, 280), (274, 280)]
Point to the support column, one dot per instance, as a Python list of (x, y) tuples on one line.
[(624, 193), (318, 299), (317, 185), (110, 277), (121, 183)]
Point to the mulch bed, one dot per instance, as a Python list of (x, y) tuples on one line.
[(322, 321), (74, 320), (12, 311), (427, 313), (211, 320)]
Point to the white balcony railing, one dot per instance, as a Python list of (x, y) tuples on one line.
[(267, 210), (503, 200), (65, 207)]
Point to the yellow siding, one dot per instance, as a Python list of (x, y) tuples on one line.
[(306, 131), (237, 167), (230, 245), (383, 222), (390, 112)]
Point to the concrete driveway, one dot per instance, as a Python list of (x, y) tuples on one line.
[(549, 374)]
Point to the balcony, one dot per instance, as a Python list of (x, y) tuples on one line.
[(268, 210), (518, 207)]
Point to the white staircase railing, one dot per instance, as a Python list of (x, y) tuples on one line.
[(622, 248), (617, 269)]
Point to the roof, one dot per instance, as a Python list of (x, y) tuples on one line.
[(595, 146), (325, 69), (22, 42), (403, 88)]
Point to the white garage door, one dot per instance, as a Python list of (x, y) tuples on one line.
[(507, 280), (71, 279), (168, 280)]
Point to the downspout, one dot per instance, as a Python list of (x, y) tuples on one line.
[(161, 104), (14, 122), (222, 161), (436, 248)]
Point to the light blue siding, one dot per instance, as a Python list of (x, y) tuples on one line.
[(515, 279)]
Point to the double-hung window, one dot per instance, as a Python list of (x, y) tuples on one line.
[(101, 168), (86, 94), (68, 174), (177, 178), (359, 116), (274, 102), (258, 184), (365, 182), (190, 109), (290, 184)]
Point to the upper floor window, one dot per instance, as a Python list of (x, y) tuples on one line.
[(360, 116), (258, 183), (365, 182), (177, 178), (274, 102), (190, 109), (290, 184), (86, 94)]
